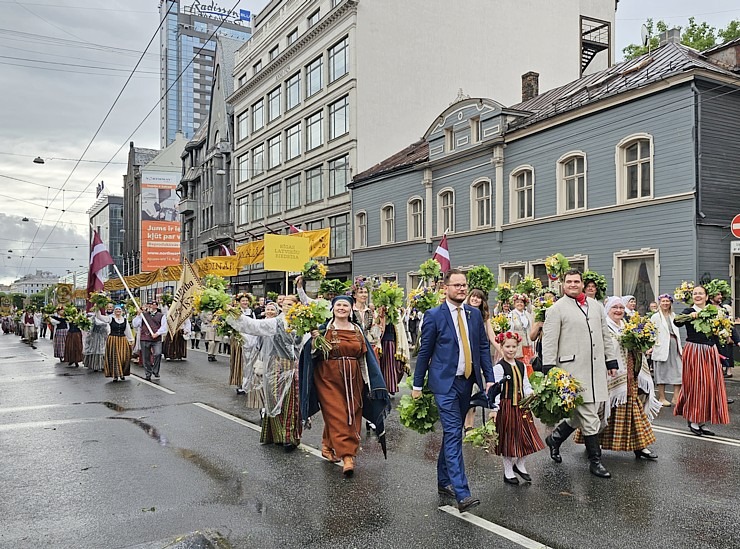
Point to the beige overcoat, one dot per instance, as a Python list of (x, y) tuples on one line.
[(580, 344)]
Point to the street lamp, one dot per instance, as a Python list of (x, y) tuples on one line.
[(38, 160)]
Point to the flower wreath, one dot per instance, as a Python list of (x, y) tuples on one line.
[(238, 297), (500, 338), (523, 297)]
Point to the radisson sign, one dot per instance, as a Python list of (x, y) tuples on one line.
[(213, 10)]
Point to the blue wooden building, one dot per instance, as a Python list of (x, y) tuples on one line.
[(633, 172)]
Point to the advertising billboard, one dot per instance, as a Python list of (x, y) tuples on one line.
[(160, 225)]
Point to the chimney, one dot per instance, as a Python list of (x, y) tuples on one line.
[(671, 36), (530, 85)]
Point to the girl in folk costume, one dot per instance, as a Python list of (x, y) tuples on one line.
[(393, 349), (60, 333), (73, 346), (279, 354), (236, 360), (94, 349), (118, 345), (345, 385), (521, 324), (632, 403), (703, 398), (517, 434), (666, 353)]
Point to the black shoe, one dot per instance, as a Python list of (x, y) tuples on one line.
[(156, 375), (525, 476), (123, 379), (706, 432), (512, 480), (115, 379), (467, 503), (729, 400), (148, 378), (646, 453), (594, 457), (698, 432), (240, 391), (288, 447), (446, 490)]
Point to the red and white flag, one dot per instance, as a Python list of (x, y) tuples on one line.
[(225, 250), (293, 229), (442, 255), (99, 260)]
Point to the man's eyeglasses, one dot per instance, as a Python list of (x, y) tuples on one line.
[(458, 286)]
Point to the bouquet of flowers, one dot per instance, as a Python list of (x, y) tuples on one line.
[(599, 280), (481, 277), (541, 304), (503, 291), (500, 323), (213, 296), (99, 299), (220, 323), (639, 334), (314, 270), (48, 310), (166, 299), (718, 286), (424, 299), (132, 307), (684, 292), (303, 319), (430, 270), (334, 286), (389, 296), (555, 396), (78, 318), (419, 414), (711, 322), (529, 286), (556, 266), (484, 436)]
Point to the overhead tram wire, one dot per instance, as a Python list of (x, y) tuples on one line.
[(100, 127), (17, 36), (156, 105), (70, 65)]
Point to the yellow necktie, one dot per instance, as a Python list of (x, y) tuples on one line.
[(465, 343)]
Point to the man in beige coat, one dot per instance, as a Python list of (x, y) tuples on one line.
[(576, 338)]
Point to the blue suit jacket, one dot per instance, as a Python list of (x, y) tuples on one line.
[(439, 350)]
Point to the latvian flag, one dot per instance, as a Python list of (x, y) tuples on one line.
[(225, 250), (99, 260), (442, 255)]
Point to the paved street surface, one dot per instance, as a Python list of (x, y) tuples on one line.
[(88, 463)]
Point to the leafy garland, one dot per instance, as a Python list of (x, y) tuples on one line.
[(599, 280), (718, 286), (334, 286), (710, 321), (390, 296), (314, 270), (419, 414), (504, 292), (484, 436), (480, 277), (430, 270), (529, 286)]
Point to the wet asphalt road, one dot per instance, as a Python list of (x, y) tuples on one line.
[(88, 463)]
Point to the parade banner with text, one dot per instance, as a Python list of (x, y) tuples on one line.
[(285, 253), (182, 303), (160, 225)]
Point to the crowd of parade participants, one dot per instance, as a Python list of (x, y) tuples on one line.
[(370, 351)]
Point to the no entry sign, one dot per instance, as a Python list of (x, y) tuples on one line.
[(735, 226)]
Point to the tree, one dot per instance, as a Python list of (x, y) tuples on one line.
[(38, 300), (699, 36)]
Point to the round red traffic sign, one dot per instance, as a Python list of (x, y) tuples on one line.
[(735, 226)]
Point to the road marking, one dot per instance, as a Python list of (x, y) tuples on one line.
[(29, 408), (155, 385), (254, 427), (715, 439), (54, 423), (494, 528)]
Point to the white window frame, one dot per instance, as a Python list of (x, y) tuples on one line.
[(293, 83), (338, 167), (513, 265), (274, 151), (310, 175), (410, 218), (258, 159), (635, 254), (360, 229), (258, 106), (561, 179), (320, 125), (242, 125), (292, 36), (314, 71), (475, 222), (384, 236), (339, 49), (440, 224), (293, 137), (272, 207), (513, 193), (243, 167), (274, 103), (339, 118), (289, 205), (621, 167)]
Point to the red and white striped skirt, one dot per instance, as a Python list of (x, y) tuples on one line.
[(517, 433), (703, 398)]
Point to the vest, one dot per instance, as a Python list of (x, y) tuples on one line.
[(515, 384), (119, 328), (155, 323)]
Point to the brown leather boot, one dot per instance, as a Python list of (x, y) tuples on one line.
[(328, 454), (348, 465)]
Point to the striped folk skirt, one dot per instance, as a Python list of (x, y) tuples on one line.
[(175, 349), (517, 434), (60, 338), (703, 398), (236, 366), (73, 348), (284, 428), (391, 368), (117, 357)]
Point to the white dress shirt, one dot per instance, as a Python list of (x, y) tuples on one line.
[(461, 355)]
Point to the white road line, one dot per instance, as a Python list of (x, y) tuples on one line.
[(155, 385), (46, 424), (494, 528), (714, 439), (30, 408), (254, 427)]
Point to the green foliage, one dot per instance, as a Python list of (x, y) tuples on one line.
[(554, 396), (482, 278), (430, 269), (216, 282), (17, 300), (37, 300), (730, 32), (389, 296), (166, 299), (272, 296), (699, 36), (419, 414), (333, 286), (529, 286), (599, 280), (719, 286), (484, 436)]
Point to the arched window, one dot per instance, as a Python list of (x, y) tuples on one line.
[(572, 182), (387, 224), (415, 218), (446, 211), (361, 229), (635, 168), (480, 202), (521, 185)]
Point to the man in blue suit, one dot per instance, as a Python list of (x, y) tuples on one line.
[(454, 349)]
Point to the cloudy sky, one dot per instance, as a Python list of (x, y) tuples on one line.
[(63, 62)]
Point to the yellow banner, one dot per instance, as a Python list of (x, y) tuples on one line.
[(218, 265), (319, 240), (250, 253), (285, 253), (182, 302)]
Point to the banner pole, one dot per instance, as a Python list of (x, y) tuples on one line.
[(133, 299)]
